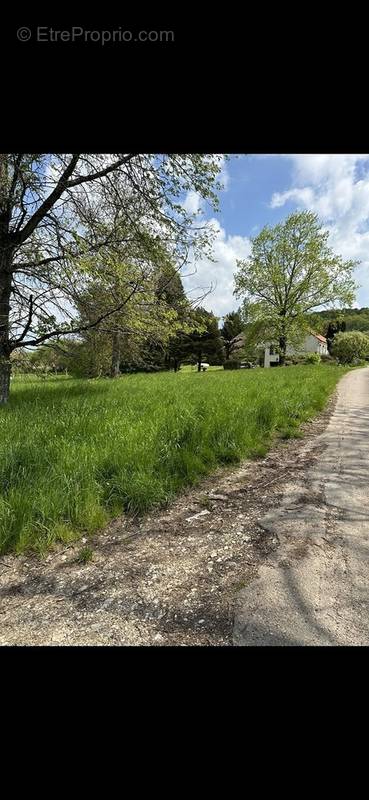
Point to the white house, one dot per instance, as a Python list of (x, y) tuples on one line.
[(313, 343)]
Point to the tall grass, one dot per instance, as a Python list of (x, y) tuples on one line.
[(73, 453)]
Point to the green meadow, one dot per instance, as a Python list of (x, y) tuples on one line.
[(74, 453)]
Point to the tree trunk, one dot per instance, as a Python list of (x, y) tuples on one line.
[(282, 350), (199, 363), (115, 357), (5, 368), (282, 339), (5, 349)]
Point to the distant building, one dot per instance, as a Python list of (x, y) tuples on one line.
[(313, 343)]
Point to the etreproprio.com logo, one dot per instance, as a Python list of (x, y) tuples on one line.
[(102, 37)]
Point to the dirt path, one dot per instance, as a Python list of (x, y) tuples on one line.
[(314, 588), (170, 579)]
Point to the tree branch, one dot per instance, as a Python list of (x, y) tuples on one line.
[(28, 324), (49, 202), (79, 328), (101, 173)]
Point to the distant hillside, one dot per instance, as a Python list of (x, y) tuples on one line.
[(356, 319)]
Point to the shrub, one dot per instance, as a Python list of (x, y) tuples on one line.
[(233, 363), (351, 346), (312, 358)]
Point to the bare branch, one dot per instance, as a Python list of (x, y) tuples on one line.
[(29, 321), (79, 328), (49, 202)]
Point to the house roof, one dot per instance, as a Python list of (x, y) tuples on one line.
[(319, 337), (238, 341)]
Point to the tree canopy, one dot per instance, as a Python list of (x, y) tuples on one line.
[(354, 319), (292, 271), (232, 327), (67, 219), (203, 342), (350, 346), (138, 335)]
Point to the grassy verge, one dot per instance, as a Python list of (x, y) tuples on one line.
[(74, 453)]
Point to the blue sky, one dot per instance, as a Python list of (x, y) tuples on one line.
[(264, 189)]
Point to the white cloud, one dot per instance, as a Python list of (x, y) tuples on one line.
[(336, 187), (192, 202), (300, 196), (318, 168), (218, 275)]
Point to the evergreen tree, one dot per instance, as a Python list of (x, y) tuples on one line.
[(232, 327), (334, 327), (203, 344)]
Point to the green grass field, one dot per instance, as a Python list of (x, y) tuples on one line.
[(75, 452)]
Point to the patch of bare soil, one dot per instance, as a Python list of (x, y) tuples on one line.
[(169, 578)]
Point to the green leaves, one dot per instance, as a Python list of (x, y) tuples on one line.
[(46, 323), (350, 346), (290, 272), (112, 220)]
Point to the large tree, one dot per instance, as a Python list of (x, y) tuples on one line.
[(58, 210), (203, 343), (232, 327), (139, 333), (162, 351), (292, 271)]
